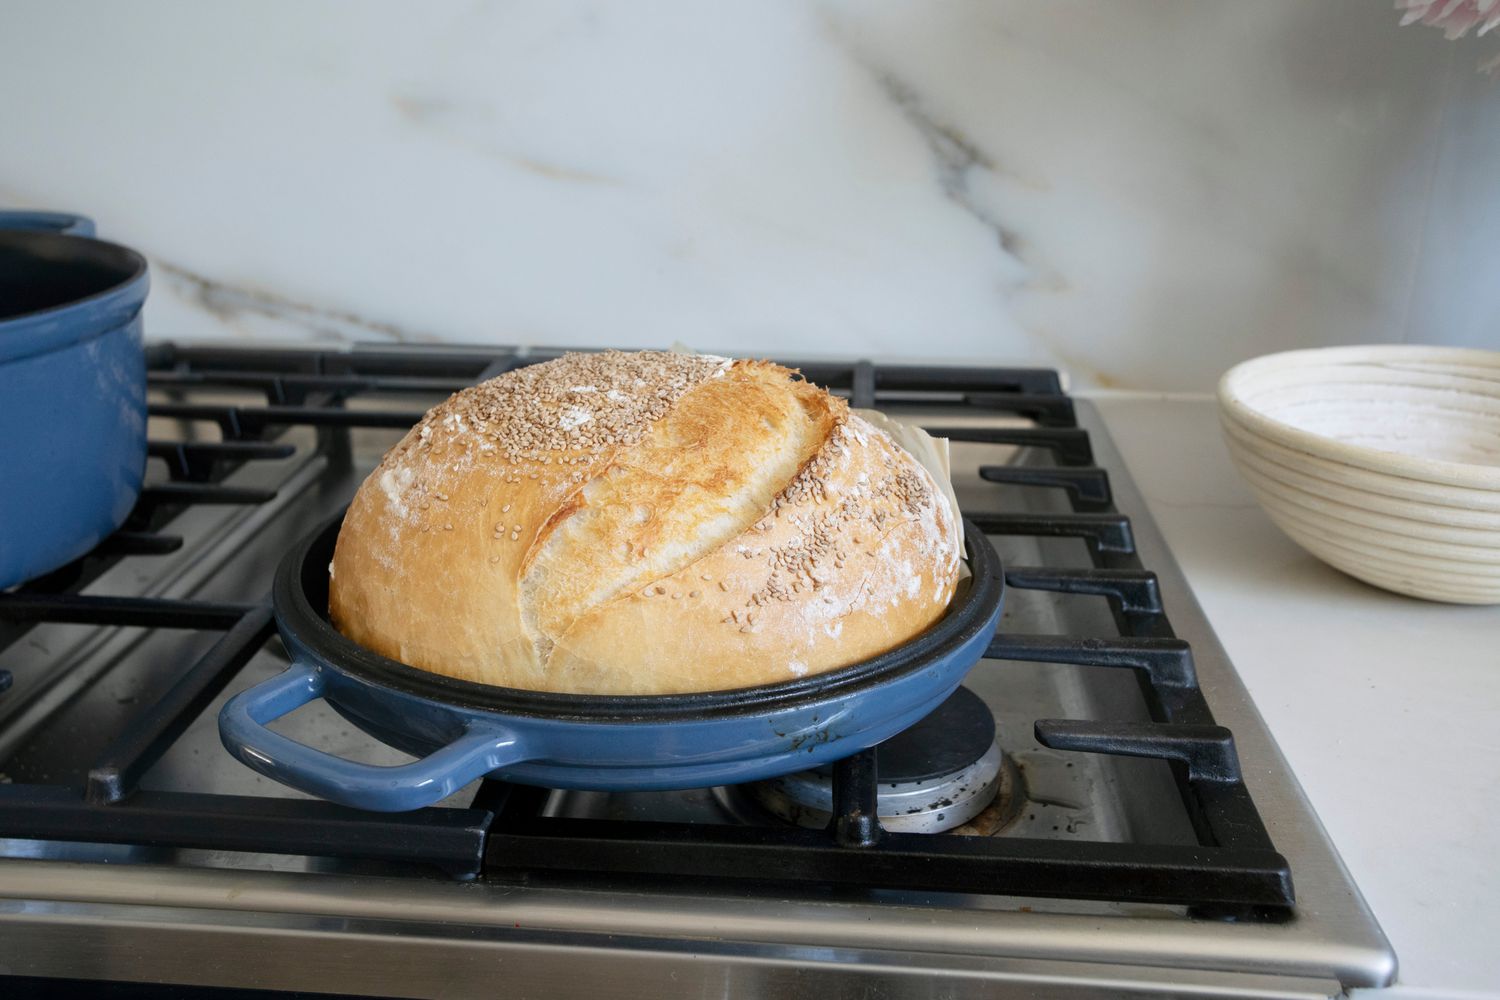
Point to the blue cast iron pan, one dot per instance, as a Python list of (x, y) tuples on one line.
[(460, 730)]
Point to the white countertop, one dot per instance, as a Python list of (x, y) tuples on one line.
[(1387, 707)]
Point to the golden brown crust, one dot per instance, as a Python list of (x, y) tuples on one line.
[(749, 531)]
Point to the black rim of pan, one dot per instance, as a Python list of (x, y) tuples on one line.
[(301, 600)]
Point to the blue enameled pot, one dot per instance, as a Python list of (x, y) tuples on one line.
[(72, 390), (462, 730)]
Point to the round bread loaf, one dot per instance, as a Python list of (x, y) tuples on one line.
[(642, 523)]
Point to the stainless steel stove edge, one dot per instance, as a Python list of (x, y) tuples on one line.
[(1331, 912), (282, 931)]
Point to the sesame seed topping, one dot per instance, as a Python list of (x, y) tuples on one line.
[(823, 515), (530, 413)]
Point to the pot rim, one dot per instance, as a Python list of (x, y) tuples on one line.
[(53, 328)]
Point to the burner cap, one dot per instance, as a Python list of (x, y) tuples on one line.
[(955, 735), (937, 775)]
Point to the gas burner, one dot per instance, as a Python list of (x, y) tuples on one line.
[(939, 774)]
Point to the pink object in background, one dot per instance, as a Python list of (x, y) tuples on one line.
[(1456, 18)]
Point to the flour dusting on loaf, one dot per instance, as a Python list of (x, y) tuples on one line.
[(640, 523)]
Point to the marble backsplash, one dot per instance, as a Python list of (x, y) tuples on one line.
[(1141, 192)]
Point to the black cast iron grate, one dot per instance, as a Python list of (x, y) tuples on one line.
[(1233, 870)]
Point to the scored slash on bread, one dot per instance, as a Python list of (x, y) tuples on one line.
[(643, 523)]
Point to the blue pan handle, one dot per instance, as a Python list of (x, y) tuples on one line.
[(481, 749)]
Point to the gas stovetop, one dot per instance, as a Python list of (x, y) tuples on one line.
[(1124, 822)]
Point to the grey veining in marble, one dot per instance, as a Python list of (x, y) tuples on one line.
[(1140, 192)]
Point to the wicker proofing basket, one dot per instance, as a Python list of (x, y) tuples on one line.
[(1382, 461)]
